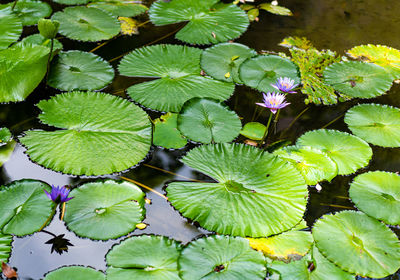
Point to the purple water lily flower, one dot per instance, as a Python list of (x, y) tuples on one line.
[(285, 85), (274, 101), (58, 194)]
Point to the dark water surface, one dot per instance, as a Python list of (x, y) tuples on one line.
[(334, 24)]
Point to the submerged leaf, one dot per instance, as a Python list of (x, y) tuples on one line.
[(208, 121), (221, 257), (358, 244), (100, 134), (76, 273), (209, 21), (166, 133), (252, 187), (10, 27), (177, 69), (105, 209), (144, 257), (376, 124)]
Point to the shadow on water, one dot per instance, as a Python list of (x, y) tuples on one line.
[(334, 24)]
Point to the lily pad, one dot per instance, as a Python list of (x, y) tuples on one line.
[(221, 257), (166, 133), (26, 208), (358, 79), (209, 22), (177, 69), (376, 124), (358, 244), (5, 247), (30, 11), (39, 40), (262, 71), (294, 270), (315, 165), (87, 24), (71, 2), (74, 70), (222, 61), (388, 58), (120, 8), (144, 257), (253, 130), (100, 134), (252, 187), (349, 152), (22, 68), (275, 9), (75, 273), (208, 121), (105, 209), (287, 246), (6, 152), (5, 136), (10, 27), (378, 195)]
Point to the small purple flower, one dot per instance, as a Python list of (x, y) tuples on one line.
[(58, 194), (274, 101), (285, 85)]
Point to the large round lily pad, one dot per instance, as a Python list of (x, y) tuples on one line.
[(313, 164), (87, 24), (256, 193), (39, 40), (376, 124), (75, 273), (358, 244), (177, 69), (120, 8), (104, 209), (348, 151), (262, 71), (221, 257), (388, 58), (76, 70), (5, 247), (378, 195), (144, 257), (209, 21), (30, 11), (10, 27), (358, 79), (100, 134), (208, 121), (166, 133), (222, 61), (25, 207)]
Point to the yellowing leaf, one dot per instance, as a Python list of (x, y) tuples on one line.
[(296, 42), (227, 75), (129, 26)]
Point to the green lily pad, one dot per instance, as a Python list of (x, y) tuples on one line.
[(287, 246), (75, 273), (144, 257), (39, 40), (76, 70), (100, 134), (6, 152), (294, 270), (275, 9), (358, 244), (22, 68), (388, 58), (26, 208), (71, 2), (87, 24), (105, 209), (378, 195), (262, 71), (166, 133), (30, 11), (209, 22), (222, 61), (177, 69), (253, 130), (221, 257), (315, 165), (208, 121), (5, 136), (358, 79), (252, 187), (5, 247), (349, 152), (10, 27), (376, 124), (120, 8)]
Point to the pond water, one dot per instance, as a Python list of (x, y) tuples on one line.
[(334, 24)]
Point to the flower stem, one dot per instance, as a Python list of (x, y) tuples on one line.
[(266, 130), (48, 60), (13, 6), (62, 211), (48, 232), (276, 120)]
